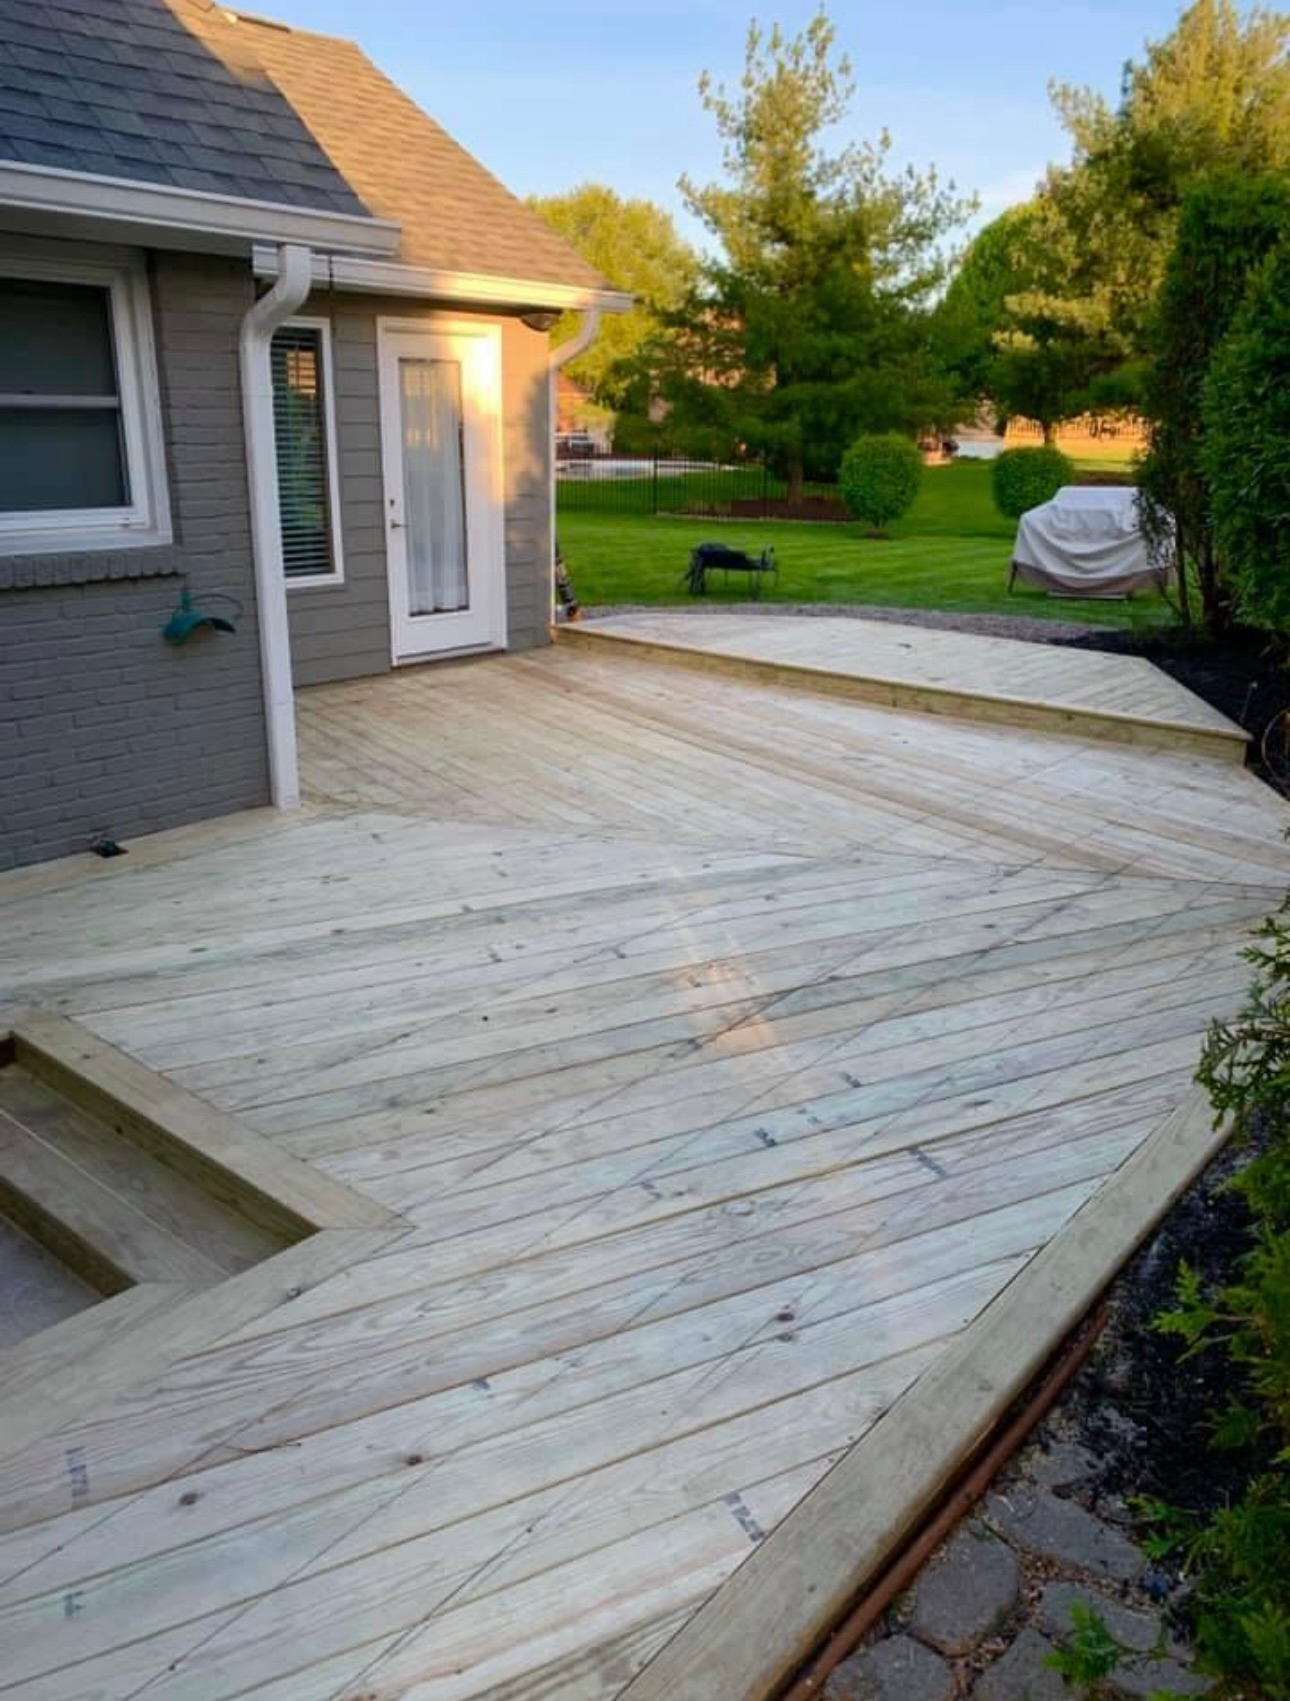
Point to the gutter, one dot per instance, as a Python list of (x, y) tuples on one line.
[(261, 321), (434, 283), (160, 213), (577, 344)]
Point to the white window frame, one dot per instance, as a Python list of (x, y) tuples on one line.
[(324, 581), (146, 519)]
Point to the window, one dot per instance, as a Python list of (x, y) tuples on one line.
[(305, 436), (80, 438)]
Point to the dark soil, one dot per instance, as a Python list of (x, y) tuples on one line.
[(1162, 1452)]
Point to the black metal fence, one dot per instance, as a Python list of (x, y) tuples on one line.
[(621, 484)]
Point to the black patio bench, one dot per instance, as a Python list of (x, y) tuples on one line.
[(720, 558)]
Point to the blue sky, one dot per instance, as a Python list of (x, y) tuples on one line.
[(552, 95)]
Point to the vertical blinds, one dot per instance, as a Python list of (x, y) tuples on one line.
[(300, 427)]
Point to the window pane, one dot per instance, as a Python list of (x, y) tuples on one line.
[(61, 458), (55, 339), (299, 415)]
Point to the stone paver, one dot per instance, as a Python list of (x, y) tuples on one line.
[(966, 1592), (898, 1669), (1139, 1679), (1063, 1531), (1021, 1675), (1136, 1631), (1064, 1463)]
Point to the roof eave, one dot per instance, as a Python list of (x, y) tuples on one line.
[(477, 289), (120, 208)]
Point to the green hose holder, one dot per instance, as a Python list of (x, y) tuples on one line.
[(188, 618)]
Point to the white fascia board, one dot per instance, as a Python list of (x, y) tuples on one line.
[(385, 277), (217, 220)]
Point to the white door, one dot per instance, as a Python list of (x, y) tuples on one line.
[(441, 449)]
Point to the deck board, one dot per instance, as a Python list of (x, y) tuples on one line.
[(726, 1052), (1104, 695)]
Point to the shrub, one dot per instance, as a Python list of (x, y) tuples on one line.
[(879, 478), (1023, 478), (1240, 1556), (1228, 225), (1246, 450)]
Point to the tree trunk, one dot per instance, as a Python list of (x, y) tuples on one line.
[(795, 477), (1050, 433), (1215, 604)]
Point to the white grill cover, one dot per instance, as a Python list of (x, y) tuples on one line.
[(1086, 542)]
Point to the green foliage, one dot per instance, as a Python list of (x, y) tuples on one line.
[(1246, 450), (635, 246), (1246, 1064), (1229, 222), (1077, 315), (1242, 1553), (879, 478), (811, 323), (1089, 1655), (1023, 478)]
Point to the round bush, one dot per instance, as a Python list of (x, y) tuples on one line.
[(1023, 478), (879, 478)]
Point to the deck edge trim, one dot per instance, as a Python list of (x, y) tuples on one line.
[(1111, 725), (748, 1637)]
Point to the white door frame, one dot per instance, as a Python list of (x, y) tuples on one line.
[(478, 345)]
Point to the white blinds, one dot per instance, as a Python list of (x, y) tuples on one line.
[(300, 427)]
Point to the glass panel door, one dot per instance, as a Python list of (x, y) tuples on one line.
[(441, 451), (434, 486)]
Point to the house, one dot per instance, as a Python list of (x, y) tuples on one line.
[(275, 378)]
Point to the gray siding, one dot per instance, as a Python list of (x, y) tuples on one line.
[(344, 632), (102, 724)]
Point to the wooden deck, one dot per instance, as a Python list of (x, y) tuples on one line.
[(1091, 694), (741, 1064)]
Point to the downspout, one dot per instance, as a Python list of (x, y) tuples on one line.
[(295, 265), (577, 344)]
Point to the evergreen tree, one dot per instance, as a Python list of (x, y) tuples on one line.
[(811, 324)]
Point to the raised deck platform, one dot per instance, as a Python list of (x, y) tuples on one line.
[(1090, 694), (761, 1080)]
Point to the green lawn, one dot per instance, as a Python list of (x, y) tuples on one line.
[(951, 552)]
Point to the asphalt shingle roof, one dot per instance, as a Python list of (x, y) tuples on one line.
[(187, 93), (455, 214), (162, 91)]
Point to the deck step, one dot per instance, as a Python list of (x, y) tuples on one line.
[(109, 1209)]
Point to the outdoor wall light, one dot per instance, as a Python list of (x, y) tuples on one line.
[(540, 319), (187, 618)]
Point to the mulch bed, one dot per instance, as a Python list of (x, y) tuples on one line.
[(1242, 676), (1140, 1374), (780, 508)]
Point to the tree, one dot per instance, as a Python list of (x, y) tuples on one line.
[(1213, 94), (1246, 449), (1229, 223), (635, 245), (811, 324), (1001, 339)]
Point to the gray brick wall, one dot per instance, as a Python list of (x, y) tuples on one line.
[(344, 632), (102, 724)]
